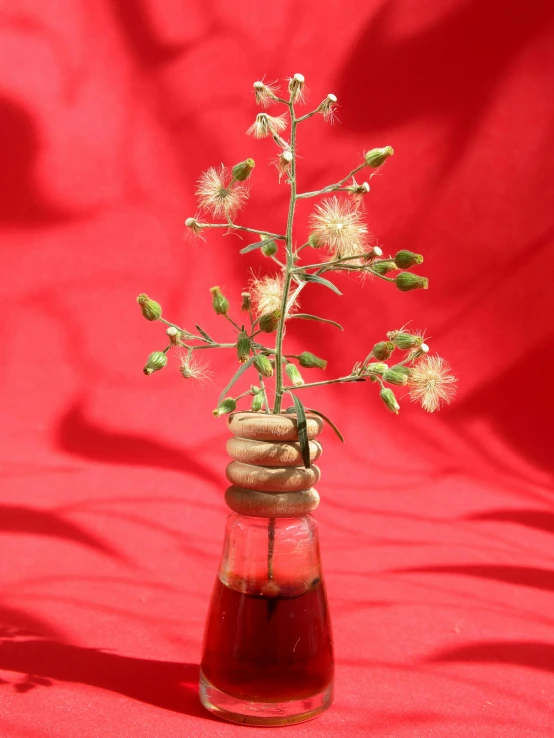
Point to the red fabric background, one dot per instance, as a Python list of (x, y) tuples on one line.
[(436, 530)]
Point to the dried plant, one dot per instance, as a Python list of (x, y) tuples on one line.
[(339, 231)]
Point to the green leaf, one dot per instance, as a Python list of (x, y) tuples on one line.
[(302, 431), (211, 340), (240, 371), (256, 245), (319, 280), (307, 316), (327, 420)]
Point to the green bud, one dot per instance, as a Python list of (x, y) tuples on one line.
[(393, 377), (263, 365), (315, 241), (243, 346), (156, 361), (402, 368), (376, 368), (269, 249), (151, 309), (246, 301), (382, 350), (405, 259), (227, 406), (377, 157), (268, 323), (255, 390), (243, 170), (388, 397), (219, 301), (294, 375), (405, 341), (383, 267), (311, 361), (257, 403), (406, 281)]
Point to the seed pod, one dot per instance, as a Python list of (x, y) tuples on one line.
[(227, 406), (257, 403), (263, 365), (269, 249), (243, 170), (268, 323), (315, 241), (243, 346), (219, 301), (382, 350), (383, 267), (377, 157), (311, 361), (406, 281), (156, 361), (395, 377), (406, 259), (376, 368), (246, 301), (151, 309), (388, 397), (404, 340), (294, 375)]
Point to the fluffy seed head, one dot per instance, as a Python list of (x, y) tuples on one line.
[(338, 224), (190, 368), (195, 228), (297, 88), (431, 383), (327, 108), (216, 194), (267, 294), (266, 94), (266, 125)]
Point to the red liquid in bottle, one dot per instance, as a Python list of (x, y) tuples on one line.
[(268, 649)]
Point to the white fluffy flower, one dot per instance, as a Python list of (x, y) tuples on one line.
[(338, 225), (267, 295), (267, 125), (217, 195), (431, 383)]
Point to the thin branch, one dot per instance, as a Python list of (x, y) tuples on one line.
[(244, 228), (332, 187)]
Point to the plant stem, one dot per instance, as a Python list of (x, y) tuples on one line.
[(332, 187), (288, 271), (349, 378), (244, 228)]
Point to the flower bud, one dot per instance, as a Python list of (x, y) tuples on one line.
[(246, 303), (294, 375), (269, 249), (243, 170), (404, 341), (382, 350), (315, 241), (402, 368), (376, 368), (405, 259), (296, 88), (388, 397), (377, 157), (219, 301), (156, 361), (151, 309), (270, 321), (310, 361), (263, 365), (257, 403), (243, 347), (254, 390), (227, 406), (406, 281), (173, 334), (395, 377), (383, 267), (359, 189)]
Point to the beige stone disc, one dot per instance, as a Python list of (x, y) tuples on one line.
[(264, 427), (271, 505), (266, 453), (272, 479)]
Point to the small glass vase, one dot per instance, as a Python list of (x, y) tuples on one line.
[(268, 655)]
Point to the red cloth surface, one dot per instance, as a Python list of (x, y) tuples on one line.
[(436, 530)]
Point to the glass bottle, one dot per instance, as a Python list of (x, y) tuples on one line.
[(268, 654)]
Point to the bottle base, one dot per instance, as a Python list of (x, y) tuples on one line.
[(270, 714)]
